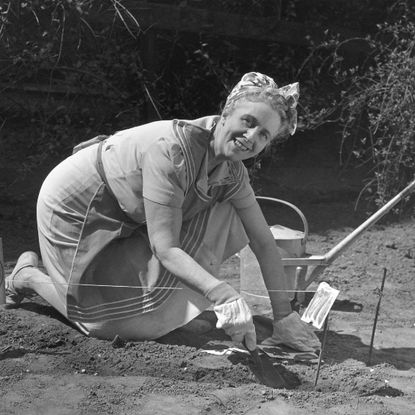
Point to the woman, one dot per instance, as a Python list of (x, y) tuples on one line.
[(133, 230)]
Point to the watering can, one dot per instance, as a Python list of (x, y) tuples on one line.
[(301, 268)]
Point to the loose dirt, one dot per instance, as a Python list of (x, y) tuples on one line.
[(48, 367)]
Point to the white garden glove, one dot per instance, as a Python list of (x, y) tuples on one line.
[(234, 315), (291, 331)]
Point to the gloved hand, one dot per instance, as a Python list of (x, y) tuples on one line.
[(234, 315), (293, 332)]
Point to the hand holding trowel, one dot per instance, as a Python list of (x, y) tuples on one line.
[(265, 371), (235, 318)]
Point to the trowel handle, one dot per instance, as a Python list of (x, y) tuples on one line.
[(284, 202)]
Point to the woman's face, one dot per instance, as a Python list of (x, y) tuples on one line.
[(246, 131)]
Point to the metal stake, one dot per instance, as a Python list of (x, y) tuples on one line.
[(380, 293), (325, 330), (2, 276)]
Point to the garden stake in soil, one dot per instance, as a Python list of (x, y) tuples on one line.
[(317, 313), (323, 343), (380, 293), (2, 276)]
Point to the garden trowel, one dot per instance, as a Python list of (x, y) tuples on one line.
[(265, 371)]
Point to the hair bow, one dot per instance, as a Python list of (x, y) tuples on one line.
[(251, 80), (291, 93)]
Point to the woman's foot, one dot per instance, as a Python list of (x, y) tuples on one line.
[(14, 296)]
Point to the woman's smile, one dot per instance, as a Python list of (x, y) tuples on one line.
[(242, 144)]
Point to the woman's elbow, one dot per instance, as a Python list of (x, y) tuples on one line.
[(164, 254), (265, 248), (265, 243)]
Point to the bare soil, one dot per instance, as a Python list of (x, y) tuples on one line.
[(48, 367)]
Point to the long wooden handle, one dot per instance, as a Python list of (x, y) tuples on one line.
[(340, 247), (326, 259)]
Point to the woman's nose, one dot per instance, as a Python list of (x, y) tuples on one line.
[(252, 133)]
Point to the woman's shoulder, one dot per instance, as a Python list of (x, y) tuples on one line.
[(195, 133), (203, 123), (152, 128), (164, 127), (206, 121)]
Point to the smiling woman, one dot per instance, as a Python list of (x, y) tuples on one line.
[(133, 227)]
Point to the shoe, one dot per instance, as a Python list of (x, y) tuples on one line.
[(27, 259)]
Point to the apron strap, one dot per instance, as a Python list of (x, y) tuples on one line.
[(100, 168)]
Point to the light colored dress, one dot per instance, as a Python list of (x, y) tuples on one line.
[(93, 239)]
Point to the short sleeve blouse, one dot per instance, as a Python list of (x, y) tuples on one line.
[(166, 162)]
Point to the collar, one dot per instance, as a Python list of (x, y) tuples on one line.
[(195, 136)]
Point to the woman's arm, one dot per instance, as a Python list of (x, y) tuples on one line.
[(265, 249), (288, 328), (163, 225), (164, 184)]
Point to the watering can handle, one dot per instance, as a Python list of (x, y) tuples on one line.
[(305, 223)]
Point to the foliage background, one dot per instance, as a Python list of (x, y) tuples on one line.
[(89, 58)]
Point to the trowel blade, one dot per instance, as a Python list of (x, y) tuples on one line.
[(265, 371)]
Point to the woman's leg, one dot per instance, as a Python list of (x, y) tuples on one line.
[(222, 235), (26, 279)]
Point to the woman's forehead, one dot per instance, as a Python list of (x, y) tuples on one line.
[(262, 111), (259, 108)]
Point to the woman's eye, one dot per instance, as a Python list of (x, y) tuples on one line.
[(248, 122)]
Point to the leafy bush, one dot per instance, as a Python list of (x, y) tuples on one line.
[(372, 102), (377, 110), (94, 52), (77, 75)]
